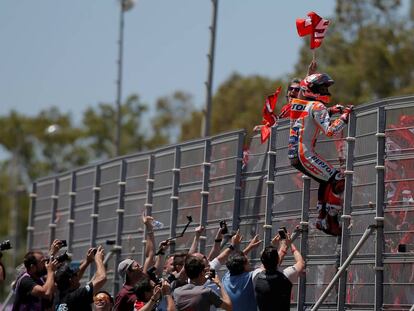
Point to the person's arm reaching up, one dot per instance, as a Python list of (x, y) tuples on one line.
[(300, 263), (160, 258), (150, 243), (46, 290), (215, 250), (255, 242), (99, 278), (90, 257), (283, 246), (194, 246), (235, 242)]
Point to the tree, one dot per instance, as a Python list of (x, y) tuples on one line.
[(368, 51), (239, 100), (100, 124), (171, 113)]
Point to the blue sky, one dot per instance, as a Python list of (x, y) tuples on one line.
[(63, 53)]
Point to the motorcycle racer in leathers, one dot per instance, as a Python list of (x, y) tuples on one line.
[(308, 117)]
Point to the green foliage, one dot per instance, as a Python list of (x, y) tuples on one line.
[(171, 112), (100, 128), (368, 51), (239, 100)]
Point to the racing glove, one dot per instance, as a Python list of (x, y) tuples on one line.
[(335, 109), (346, 112)]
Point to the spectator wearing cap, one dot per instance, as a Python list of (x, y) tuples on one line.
[(132, 272), (103, 301), (73, 296)]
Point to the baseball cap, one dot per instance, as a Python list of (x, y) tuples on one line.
[(124, 266)]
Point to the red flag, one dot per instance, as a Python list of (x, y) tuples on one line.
[(315, 26), (269, 118)]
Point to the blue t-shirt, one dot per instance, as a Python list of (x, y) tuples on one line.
[(240, 290)]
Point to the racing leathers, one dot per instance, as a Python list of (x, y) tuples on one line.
[(307, 119)]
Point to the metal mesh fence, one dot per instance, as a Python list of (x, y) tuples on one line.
[(208, 180)]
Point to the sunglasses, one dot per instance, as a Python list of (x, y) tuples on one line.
[(294, 88), (101, 298)]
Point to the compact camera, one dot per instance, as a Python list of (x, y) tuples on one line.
[(5, 245)]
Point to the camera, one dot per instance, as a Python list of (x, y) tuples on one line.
[(60, 258), (5, 245), (64, 243), (153, 277), (211, 274), (223, 226), (402, 248), (158, 281), (282, 233)]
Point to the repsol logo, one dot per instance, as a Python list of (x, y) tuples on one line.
[(321, 164), (298, 107)]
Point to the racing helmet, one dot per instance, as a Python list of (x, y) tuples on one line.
[(315, 86)]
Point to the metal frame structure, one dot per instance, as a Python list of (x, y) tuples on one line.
[(208, 179)]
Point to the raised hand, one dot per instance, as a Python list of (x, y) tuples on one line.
[(237, 238)]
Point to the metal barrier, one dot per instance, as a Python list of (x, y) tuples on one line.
[(207, 179)]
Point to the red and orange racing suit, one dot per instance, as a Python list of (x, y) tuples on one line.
[(307, 120)]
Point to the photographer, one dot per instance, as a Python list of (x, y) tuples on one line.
[(3, 246), (2, 270), (71, 295), (32, 292), (131, 271), (151, 296)]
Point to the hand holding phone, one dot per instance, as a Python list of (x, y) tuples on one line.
[(223, 226), (282, 233)]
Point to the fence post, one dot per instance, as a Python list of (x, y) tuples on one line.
[(71, 219), (205, 189), (347, 209), (304, 223), (174, 195), (237, 183), (32, 212), (380, 184), (148, 202), (120, 223), (52, 224), (270, 186), (95, 212)]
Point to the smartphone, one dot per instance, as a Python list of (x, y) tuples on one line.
[(212, 273), (282, 233), (402, 248), (64, 244), (223, 226)]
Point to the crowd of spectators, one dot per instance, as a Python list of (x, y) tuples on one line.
[(223, 279)]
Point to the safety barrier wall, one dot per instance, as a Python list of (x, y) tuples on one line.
[(206, 179), (105, 201)]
